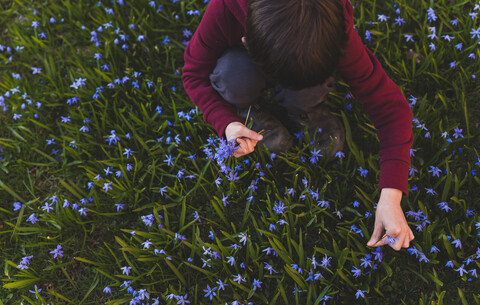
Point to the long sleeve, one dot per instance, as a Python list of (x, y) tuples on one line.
[(212, 37), (385, 105)]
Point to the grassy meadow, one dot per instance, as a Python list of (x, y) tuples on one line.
[(114, 191)]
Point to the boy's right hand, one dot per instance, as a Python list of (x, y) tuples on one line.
[(245, 137)]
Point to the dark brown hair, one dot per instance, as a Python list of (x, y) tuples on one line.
[(296, 43)]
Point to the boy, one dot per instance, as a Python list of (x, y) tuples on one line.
[(242, 46)]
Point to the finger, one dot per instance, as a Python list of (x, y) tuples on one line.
[(241, 150), (396, 242), (382, 242), (248, 145), (406, 242), (245, 146), (376, 235), (399, 242), (248, 133)]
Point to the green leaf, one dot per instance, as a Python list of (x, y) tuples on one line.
[(21, 283)]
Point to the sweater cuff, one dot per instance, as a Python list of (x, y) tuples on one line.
[(394, 174)]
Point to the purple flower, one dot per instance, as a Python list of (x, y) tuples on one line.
[(32, 218), (279, 208), (126, 270), (238, 278), (391, 240), (363, 172), (36, 291), (399, 21), (409, 37), (210, 292), (475, 33), (461, 270), (457, 132), (431, 15), (457, 243), (360, 293), (382, 17), (256, 284), (356, 272), (57, 252), (435, 171), (444, 206)]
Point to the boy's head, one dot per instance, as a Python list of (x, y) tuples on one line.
[(296, 43)]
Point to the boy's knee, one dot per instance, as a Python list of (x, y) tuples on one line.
[(237, 79)]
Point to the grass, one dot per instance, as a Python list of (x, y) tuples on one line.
[(166, 229)]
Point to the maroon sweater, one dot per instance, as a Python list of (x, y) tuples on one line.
[(223, 25)]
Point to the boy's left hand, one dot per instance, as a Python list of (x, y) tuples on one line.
[(389, 217)]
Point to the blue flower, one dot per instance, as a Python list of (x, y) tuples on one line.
[(36, 291), (231, 260), (435, 171), (210, 292), (363, 172), (399, 21), (325, 261), (126, 270), (315, 155), (243, 238), (238, 278), (107, 186), (57, 252), (382, 18), (431, 15), (146, 244), (457, 243), (169, 160), (431, 191), (279, 208), (256, 284), (360, 293), (17, 206), (221, 285), (457, 133), (475, 33), (47, 207), (444, 206), (409, 37), (148, 219), (391, 240), (269, 268), (447, 37), (461, 270)]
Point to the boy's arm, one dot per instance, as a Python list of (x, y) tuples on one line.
[(391, 115), (385, 105), (207, 44)]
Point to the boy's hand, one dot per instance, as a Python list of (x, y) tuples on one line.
[(246, 138), (389, 217)]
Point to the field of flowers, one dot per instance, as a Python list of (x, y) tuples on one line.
[(114, 191)]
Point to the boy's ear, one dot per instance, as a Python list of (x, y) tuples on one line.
[(244, 41)]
